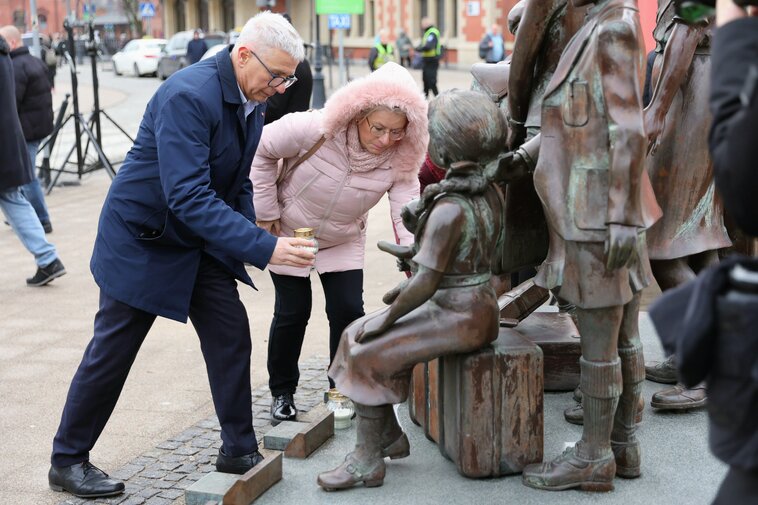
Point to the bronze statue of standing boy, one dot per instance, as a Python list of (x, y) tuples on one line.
[(591, 179)]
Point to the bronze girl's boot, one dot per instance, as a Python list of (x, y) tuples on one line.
[(395, 444), (366, 463)]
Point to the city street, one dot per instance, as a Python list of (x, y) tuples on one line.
[(43, 333)]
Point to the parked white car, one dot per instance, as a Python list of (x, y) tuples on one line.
[(138, 57)]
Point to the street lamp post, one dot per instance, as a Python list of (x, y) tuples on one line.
[(319, 93), (36, 48)]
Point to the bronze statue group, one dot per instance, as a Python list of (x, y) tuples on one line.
[(625, 200), (553, 161)]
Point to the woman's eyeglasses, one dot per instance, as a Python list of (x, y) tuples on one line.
[(276, 80), (379, 131)]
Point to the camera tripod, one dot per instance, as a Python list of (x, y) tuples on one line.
[(82, 126)]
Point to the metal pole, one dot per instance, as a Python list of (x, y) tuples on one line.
[(319, 93), (329, 62), (341, 42), (36, 48), (92, 50)]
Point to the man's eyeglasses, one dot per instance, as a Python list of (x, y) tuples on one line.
[(276, 80), (379, 131)]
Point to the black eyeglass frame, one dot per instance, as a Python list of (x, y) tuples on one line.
[(287, 81)]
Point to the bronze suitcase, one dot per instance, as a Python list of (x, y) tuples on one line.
[(491, 407), (423, 397), (558, 337)]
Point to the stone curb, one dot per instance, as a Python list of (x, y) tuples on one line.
[(160, 476)]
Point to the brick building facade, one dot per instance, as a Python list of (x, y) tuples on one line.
[(109, 17), (462, 23)]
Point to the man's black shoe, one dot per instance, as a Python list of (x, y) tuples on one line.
[(84, 480), (238, 465), (48, 227), (46, 274), (283, 409)]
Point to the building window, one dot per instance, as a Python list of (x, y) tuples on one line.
[(441, 15), (179, 15), (370, 19), (18, 20), (202, 15), (228, 6), (454, 21)]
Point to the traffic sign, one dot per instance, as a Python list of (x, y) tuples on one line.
[(339, 21), (146, 10), (340, 6)]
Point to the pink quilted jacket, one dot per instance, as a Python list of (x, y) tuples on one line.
[(322, 192)]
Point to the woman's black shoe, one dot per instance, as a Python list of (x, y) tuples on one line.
[(283, 409), (84, 480)]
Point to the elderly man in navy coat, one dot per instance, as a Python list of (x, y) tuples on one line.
[(175, 230)]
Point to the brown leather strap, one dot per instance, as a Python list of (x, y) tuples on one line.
[(301, 159)]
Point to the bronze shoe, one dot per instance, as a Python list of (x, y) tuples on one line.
[(400, 448), (627, 456), (679, 398), (351, 472), (571, 471), (663, 372), (578, 395), (575, 414)]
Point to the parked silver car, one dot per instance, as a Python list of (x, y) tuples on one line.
[(174, 55)]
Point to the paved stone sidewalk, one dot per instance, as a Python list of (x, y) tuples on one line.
[(160, 476)]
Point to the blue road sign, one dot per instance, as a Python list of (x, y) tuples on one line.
[(146, 10), (339, 21)]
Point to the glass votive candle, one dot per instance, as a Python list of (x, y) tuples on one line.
[(342, 407), (308, 234)]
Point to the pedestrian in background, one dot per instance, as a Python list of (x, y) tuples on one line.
[(175, 232), (15, 171), (50, 58), (382, 52), (431, 50), (296, 98), (34, 102), (492, 46), (369, 140), (196, 48), (404, 46)]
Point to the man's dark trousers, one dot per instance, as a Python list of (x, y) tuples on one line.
[(222, 325), (429, 67)]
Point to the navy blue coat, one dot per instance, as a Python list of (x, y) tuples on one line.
[(184, 189)]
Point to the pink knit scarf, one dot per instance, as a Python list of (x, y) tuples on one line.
[(360, 159)]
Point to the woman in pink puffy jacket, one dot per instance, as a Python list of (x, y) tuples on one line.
[(375, 138)]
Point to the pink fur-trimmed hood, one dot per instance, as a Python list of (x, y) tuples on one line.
[(393, 86)]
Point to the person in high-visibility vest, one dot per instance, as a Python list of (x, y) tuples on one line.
[(430, 49), (382, 52)]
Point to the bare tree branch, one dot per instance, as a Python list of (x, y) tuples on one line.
[(131, 10)]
